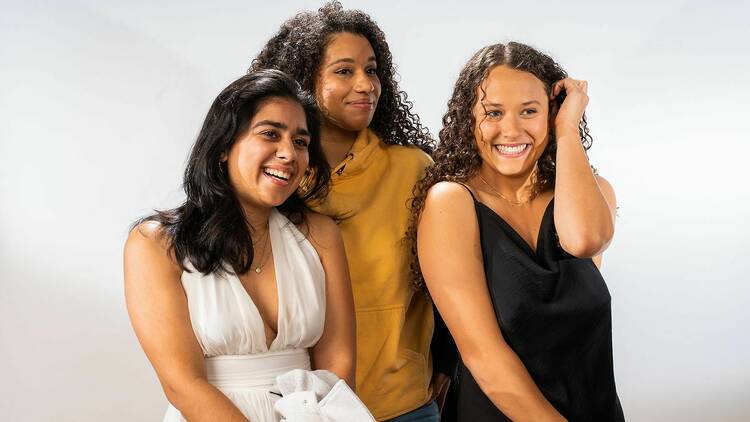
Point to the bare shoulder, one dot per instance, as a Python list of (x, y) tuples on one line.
[(322, 231), (149, 245), (321, 224), (448, 196), (607, 190), (148, 235)]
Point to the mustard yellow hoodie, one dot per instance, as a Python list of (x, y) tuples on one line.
[(370, 191)]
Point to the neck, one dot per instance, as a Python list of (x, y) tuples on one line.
[(336, 143), (514, 188), (257, 218)]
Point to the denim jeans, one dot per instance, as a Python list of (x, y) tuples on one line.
[(426, 413)]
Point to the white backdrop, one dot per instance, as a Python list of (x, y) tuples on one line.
[(100, 102)]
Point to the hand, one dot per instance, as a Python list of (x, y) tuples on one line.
[(571, 111), (440, 384)]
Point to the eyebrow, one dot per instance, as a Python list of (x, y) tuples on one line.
[(485, 103), (282, 126), (349, 60)]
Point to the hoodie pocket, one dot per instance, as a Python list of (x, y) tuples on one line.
[(389, 380)]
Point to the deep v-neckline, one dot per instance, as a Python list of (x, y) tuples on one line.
[(534, 251), (278, 280)]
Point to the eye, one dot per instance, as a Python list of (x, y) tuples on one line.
[(372, 71), (493, 114), (301, 143), (528, 112), (270, 134), (343, 71)]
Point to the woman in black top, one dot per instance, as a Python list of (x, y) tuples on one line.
[(510, 225)]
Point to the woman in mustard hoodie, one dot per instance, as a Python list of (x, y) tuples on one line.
[(377, 150)]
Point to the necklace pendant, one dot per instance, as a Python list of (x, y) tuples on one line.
[(257, 270)]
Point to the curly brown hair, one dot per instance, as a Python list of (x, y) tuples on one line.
[(457, 157), (298, 50)]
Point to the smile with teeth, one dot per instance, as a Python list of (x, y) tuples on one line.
[(512, 149), (278, 174)]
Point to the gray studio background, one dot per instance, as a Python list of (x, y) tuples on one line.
[(101, 101)]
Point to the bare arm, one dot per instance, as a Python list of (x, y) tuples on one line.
[(451, 261), (158, 311), (336, 349), (609, 195), (584, 203)]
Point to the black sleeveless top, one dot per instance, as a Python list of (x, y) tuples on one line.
[(554, 311)]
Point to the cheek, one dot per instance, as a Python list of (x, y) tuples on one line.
[(484, 131), (245, 160), (480, 142), (540, 134), (541, 139), (540, 131), (378, 88), (327, 93), (542, 124), (303, 159)]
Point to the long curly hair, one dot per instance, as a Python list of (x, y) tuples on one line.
[(457, 157), (298, 49), (210, 229)]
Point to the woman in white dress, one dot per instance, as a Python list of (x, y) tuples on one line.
[(242, 283)]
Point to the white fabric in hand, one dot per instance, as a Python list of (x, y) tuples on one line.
[(318, 396)]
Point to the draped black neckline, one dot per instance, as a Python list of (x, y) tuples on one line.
[(547, 218)]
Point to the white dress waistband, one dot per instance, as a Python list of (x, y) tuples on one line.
[(256, 371)]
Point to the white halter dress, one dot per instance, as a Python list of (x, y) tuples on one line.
[(230, 329)]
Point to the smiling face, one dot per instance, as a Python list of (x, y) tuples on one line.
[(347, 87), (268, 159), (512, 121)]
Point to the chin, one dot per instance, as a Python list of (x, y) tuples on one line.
[(510, 170), (270, 199), (278, 200)]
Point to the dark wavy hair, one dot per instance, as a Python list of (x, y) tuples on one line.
[(457, 157), (298, 49), (210, 229)]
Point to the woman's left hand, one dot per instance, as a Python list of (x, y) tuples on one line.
[(571, 111)]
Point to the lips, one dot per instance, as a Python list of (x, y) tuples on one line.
[(511, 150), (363, 104), (278, 175)]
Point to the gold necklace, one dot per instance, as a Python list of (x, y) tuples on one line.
[(514, 203), (263, 256)]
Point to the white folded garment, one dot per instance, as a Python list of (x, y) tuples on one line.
[(318, 396)]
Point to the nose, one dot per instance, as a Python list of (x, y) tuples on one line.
[(285, 150), (363, 84), (510, 126)]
